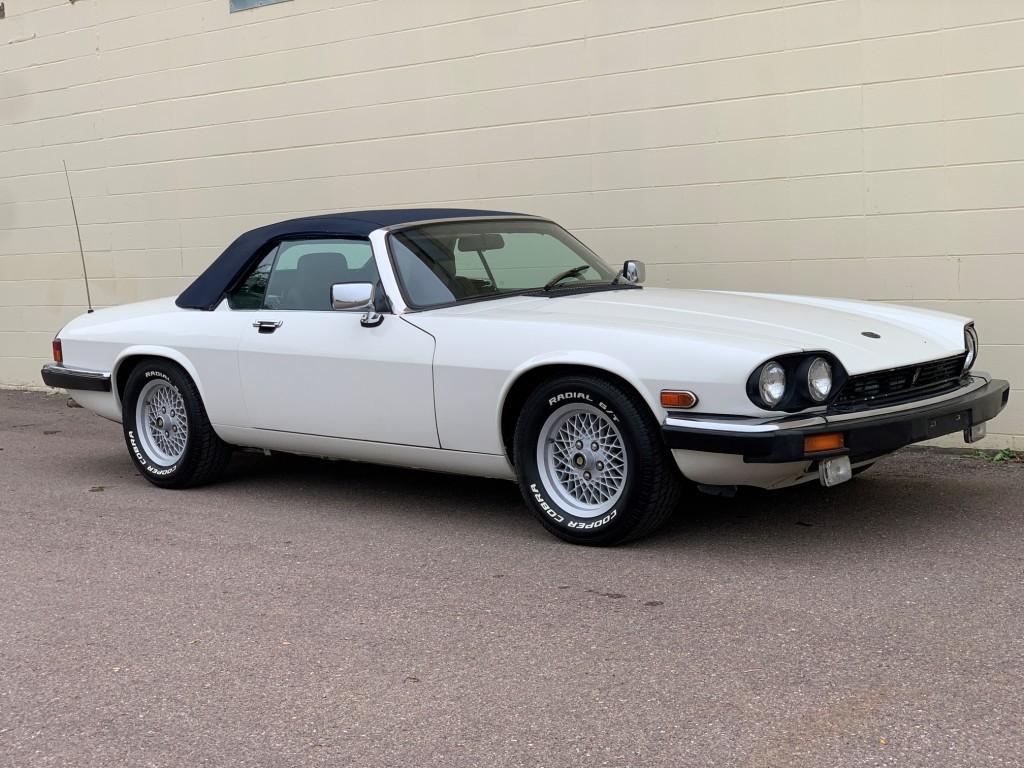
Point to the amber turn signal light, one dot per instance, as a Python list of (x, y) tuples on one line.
[(58, 353), (671, 398), (829, 441)]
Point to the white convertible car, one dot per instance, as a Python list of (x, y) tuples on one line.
[(496, 344)]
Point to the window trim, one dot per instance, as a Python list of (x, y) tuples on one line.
[(275, 245)]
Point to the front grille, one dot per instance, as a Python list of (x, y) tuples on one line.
[(900, 385)]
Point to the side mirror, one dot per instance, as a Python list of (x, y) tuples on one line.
[(633, 272), (353, 297)]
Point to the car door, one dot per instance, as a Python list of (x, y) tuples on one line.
[(308, 369)]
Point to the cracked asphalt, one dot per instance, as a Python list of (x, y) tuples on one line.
[(310, 613)]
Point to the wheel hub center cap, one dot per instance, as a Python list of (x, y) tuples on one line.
[(584, 460)]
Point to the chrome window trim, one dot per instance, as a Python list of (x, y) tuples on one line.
[(456, 219), (386, 271), (754, 424)]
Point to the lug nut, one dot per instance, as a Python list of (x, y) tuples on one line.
[(579, 443), (586, 475), (594, 446), (600, 466)]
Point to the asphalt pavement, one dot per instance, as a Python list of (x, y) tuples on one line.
[(312, 613)]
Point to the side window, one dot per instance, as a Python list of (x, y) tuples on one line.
[(250, 294), (298, 274), (428, 276)]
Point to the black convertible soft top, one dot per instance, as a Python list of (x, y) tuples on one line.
[(208, 289)]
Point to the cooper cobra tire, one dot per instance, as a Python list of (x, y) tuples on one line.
[(166, 428), (591, 463)]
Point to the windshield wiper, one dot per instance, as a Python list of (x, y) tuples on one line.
[(574, 272)]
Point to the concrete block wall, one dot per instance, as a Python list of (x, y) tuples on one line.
[(865, 148)]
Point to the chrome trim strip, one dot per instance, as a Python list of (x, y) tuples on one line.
[(92, 372), (496, 217), (386, 271), (757, 424), (754, 424)]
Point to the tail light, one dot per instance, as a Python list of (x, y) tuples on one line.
[(58, 353)]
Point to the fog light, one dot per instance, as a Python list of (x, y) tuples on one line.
[(835, 471), (976, 433)]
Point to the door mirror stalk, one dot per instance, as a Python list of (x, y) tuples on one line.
[(353, 297)]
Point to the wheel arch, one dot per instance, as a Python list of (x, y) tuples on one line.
[(524, 380), (132, 356)]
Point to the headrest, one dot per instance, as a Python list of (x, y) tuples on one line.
[(322, 262)]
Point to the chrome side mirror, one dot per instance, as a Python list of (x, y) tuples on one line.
[(633, 272), (353, 297)]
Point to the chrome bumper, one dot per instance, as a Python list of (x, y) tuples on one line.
[(75, 378), (866, 433)]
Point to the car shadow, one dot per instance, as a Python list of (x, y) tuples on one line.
[(906, 502), (912, 497), (399, 491), (876, 514)]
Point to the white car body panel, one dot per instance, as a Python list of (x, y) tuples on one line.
[(357, 383), (426, 388), (656, 338)]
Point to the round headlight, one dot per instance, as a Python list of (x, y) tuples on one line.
[(771, 384), (971, 343), (819, 379)]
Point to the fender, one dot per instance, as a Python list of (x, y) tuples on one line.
[(148, 350), (588, 359)]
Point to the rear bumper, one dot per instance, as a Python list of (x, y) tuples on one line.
[(865, 434), (75, 378)]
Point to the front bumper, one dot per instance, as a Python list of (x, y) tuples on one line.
[(75, 378), (865, 434)]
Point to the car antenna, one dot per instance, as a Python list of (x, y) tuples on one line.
[(81, 250)]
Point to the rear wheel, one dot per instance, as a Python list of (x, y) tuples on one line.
[(166, 428), (591, 462)]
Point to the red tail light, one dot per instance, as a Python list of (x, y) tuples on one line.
[(58, 353)]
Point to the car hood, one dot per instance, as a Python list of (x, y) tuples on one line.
[(768, 323)]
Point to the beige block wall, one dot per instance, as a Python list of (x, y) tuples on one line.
[(865, 148)]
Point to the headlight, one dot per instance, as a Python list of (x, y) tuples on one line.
[(819, 379), (971, 343), (771, 384)]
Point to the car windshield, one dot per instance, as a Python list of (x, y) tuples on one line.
[(443, 263)]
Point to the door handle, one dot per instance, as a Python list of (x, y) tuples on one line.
[(267, 326)]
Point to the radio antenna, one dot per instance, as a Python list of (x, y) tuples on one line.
[(78, 231)]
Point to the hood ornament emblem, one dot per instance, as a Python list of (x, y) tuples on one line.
[(871, 334)]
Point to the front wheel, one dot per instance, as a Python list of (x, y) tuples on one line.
[(166, 428), (591, 463)]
